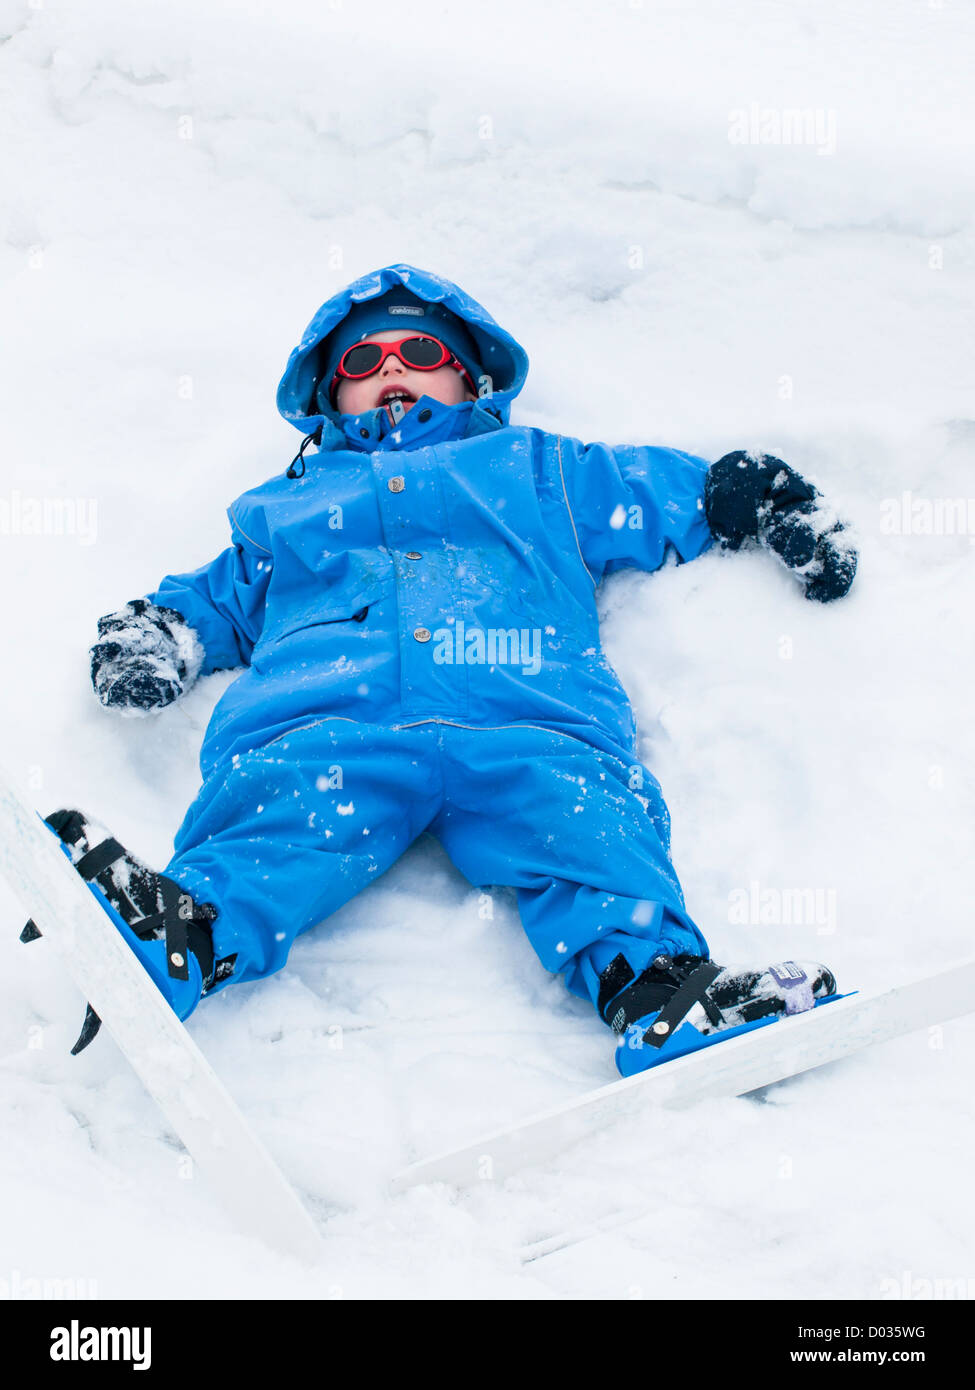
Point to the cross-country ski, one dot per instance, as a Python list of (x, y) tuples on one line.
[(241, 1173), (733, 1067)]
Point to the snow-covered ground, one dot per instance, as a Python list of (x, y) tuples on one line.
[(183, 182)]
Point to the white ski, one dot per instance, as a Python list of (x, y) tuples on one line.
[(732, 1067), (168, 1062)]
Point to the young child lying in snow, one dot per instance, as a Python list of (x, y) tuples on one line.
[(414, 605)]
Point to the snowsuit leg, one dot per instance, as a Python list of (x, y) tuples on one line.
[(584, 837), (280, 837)]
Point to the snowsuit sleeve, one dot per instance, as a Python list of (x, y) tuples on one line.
[(633, 504), (223, 601)]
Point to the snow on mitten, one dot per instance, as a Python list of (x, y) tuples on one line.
[(146, 658), (760, 498)]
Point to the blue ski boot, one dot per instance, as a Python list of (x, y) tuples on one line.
[(169, 932), (682, 1003)]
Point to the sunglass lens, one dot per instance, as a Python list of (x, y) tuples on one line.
[(361, 360), (421, 352)]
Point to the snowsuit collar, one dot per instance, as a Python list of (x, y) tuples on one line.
[(428, 422)]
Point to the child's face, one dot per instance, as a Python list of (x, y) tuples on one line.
[(445, 384)]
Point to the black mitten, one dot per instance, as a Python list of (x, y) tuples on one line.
[(146, 658), (762, 499)]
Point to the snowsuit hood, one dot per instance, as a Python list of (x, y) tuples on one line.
[(502, 359)]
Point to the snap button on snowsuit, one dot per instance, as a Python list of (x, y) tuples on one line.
[(422, 634), (396, 484)]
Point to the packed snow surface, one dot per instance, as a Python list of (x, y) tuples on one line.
[(714, 227)]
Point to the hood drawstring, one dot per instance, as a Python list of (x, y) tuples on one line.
[(314, 438)]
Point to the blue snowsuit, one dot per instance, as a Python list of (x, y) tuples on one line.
[(416, 614)]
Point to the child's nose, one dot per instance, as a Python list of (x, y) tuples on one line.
[(391, 362)]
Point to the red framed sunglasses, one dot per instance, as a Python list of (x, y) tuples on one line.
[(423, 354)]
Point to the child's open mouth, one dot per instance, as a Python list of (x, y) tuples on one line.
[(397, 393)]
